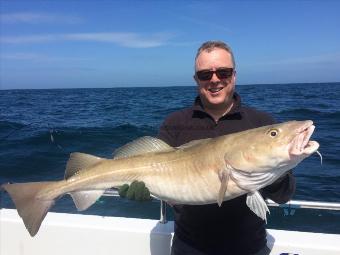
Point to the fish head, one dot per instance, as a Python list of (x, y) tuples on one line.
[(279, 146)]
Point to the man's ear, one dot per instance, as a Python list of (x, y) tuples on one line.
[(234, 77)]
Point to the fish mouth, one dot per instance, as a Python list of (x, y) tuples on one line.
[(301, 144)]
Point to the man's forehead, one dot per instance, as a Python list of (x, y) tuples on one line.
[(215, 56)]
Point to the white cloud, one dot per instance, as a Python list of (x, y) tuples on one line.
[(21, 56), (131, 40), (34, 18), (31, 56), (29, 39)]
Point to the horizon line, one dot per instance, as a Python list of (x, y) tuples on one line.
[(174, 86)]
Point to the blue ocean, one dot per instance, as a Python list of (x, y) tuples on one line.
[(40, 128)]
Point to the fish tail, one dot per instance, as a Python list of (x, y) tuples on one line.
[(31, 208)]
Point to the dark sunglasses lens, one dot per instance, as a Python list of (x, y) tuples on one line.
[(204, 75), (224, 73)]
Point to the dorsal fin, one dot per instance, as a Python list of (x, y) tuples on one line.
[(79, 161), (140, 146)]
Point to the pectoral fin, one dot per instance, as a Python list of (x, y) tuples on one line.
[(256, 203), (224, 178)]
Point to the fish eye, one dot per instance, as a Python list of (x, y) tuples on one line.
[(273, 132)]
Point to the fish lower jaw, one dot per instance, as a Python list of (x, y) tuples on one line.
[(310, 148)]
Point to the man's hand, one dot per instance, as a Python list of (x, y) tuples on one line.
[(135, 191)]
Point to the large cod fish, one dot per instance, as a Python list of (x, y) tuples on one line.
[(200, 172)]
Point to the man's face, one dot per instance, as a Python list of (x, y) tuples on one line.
[(215, 93)]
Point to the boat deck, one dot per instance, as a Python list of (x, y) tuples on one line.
[(63, 233)]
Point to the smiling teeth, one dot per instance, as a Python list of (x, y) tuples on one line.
[(215, 90)]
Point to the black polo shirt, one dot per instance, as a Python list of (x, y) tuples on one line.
[(232, 228)]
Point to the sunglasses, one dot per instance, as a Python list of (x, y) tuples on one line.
[(221, 73)]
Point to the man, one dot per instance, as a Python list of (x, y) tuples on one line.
[(232, 228)]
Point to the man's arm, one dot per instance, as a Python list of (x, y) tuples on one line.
[(167, 132)]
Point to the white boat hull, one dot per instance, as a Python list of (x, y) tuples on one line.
[(63, 233)]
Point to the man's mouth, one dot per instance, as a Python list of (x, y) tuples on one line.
[(215, 90)]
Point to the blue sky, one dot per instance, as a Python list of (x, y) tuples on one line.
[(108, 43)]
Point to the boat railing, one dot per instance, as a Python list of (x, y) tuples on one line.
[(289, 207), (163, 205)]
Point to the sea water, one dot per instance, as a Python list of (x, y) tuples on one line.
[(40, 128)]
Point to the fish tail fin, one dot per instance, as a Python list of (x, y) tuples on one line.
[(30, 208)]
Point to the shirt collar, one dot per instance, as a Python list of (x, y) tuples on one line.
[(236, 108)]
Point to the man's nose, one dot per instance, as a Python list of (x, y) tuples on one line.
[(214, 78)]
